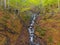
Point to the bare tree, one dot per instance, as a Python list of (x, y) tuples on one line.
[(8, 4), (4, 4), (0, 2), (58, 4)]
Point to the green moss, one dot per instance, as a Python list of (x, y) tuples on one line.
[(58, 43), (7, 16), (41, 31), (26, 17), (50, 39)]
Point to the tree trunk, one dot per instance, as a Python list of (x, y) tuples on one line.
[(4, 4)]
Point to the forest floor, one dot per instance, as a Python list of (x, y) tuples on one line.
[(52, 28), (18, 34), (12, 28)]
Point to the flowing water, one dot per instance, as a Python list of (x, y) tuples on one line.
[(31, 30)]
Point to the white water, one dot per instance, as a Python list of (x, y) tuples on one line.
[(31, 29)]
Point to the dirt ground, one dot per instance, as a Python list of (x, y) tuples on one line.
[(52, 26)]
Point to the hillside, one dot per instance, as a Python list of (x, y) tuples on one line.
[(48, 27), (16, 17)]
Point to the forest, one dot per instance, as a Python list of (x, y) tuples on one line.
[(29, 22)]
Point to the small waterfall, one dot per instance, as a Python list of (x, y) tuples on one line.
[(31, 30)]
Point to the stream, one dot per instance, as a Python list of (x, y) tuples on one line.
[(31, 30)]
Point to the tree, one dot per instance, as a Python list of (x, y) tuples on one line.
[(58, 4), (0, 2), (8, 4), (4, 4)]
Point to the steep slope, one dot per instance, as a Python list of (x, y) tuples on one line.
[(49, 28), (10, 28)]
